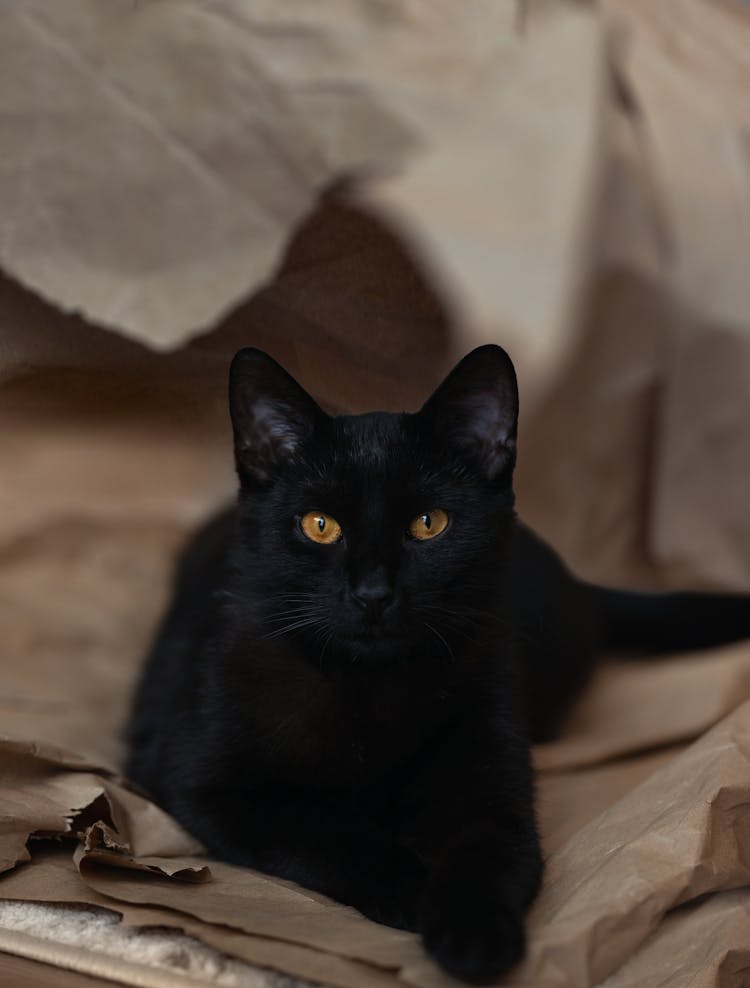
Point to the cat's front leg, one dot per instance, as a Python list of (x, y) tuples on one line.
[(473, 914), (484, 858), (325, 845)]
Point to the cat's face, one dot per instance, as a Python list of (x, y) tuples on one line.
[(379, 535)]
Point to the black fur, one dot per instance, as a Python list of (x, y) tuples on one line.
[(374, 697)]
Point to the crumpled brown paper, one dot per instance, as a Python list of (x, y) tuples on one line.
[(366, 193)]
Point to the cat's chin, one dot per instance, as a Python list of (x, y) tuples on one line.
[(369, 647)]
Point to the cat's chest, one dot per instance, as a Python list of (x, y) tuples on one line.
[(340, 732)]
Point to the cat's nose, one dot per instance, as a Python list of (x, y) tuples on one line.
[(373, 596)]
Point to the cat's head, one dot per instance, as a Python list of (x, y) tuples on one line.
[(373, 535)]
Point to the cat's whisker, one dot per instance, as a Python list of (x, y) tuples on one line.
[(326, 643), (294, 626), (292, 598), (225, 594), (440, 638), (458, 629), (292, 614), (470, 616), (323, 635), (297, 595), (461, 626)]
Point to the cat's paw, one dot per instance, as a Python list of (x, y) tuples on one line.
[(473, 941)]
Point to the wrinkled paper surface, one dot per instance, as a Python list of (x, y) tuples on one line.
[(367, 192)]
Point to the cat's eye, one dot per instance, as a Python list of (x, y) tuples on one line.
[(320, 527), (428, 525)]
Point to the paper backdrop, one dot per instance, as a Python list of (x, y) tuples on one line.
[(367, 191)]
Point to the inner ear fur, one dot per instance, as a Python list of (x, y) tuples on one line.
[(272, 415), (474, 411)]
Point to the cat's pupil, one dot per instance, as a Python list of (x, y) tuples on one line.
[(321, 524), (427, 521)]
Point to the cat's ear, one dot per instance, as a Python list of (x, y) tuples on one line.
[(271, 414), (474, 412)]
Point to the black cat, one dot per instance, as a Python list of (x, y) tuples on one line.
[(369, 641)]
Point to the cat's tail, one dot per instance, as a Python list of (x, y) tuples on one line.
[(668, 622)]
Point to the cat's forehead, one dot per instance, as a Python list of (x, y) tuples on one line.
[(379, 466), (364, 456), (370, 440)]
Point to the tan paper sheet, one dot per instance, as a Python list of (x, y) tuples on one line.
[(368, 191)]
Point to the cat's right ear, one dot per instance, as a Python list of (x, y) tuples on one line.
[(271, 414)]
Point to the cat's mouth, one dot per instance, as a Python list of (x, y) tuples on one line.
[(374, 635), (372, 640)]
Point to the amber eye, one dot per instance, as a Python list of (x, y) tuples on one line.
[(320, 527), (428, 525)]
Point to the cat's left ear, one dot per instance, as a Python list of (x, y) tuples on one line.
[(272, 415), (474, 412)]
